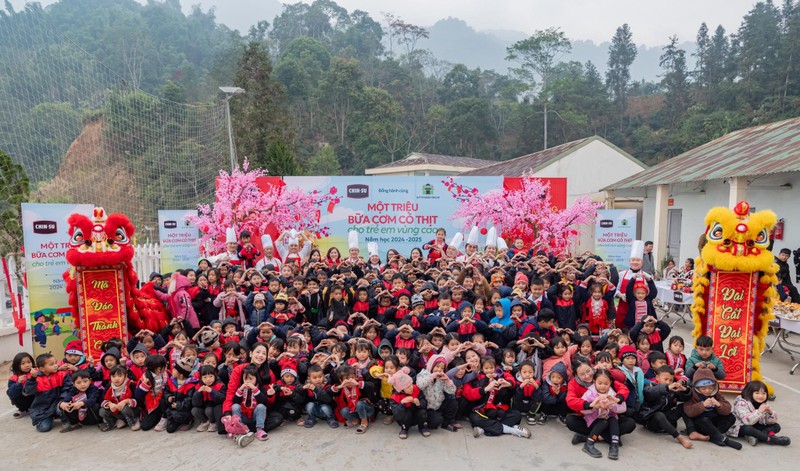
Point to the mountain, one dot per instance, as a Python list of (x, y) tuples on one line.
[(454, 40)]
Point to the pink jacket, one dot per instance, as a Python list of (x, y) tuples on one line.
[(220, 303), (593, 414)]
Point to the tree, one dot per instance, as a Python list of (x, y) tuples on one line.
[(280, 158), (675, 82), (621, 55), (526, 213), (459, 83), (324, 162), (712, 60), (339, 91), (469, 128), (258, 115), (758, 54), (537, 57), (13, 191), (241, 204)]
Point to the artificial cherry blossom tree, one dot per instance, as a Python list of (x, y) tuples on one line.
[(241, 204), (527, 213)]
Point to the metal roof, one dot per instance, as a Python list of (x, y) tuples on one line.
[(539, 160), (760, 150), (419, 158)]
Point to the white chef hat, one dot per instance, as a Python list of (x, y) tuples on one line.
[(230, 235), (372, 248), (456, 241), (292, 239), (472, 239), (637, 249), (266, 241), (352, 240), (491, 237), (501, 244)]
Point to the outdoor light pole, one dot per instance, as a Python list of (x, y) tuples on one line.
[(229, 93)]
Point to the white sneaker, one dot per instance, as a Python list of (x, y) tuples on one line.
[(522, 432), (752, 440), (477, 432), (162, 424), (244, 440)]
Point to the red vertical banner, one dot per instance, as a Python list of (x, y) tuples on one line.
[(731, 313), (101, 307)]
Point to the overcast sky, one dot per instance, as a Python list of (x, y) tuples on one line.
[(652, 21)]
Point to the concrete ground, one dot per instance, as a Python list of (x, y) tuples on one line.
[(324, 448)]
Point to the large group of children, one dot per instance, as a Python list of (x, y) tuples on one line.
[(497, 337)]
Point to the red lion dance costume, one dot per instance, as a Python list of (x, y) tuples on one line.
[(102, 243)]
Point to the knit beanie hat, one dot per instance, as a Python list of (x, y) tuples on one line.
[(417, 300), (74, 348), (521, 278), (432, 361), (497, 277), (626, 351), (290, 371), (260, 297), (208, 337), (184, 366), (401, 381)]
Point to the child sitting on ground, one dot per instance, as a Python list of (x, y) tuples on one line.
[(21, 368), (350, 407), (755, 419), (80, 403), (409, 407), (319, 398), (207, 400), (119, 406), (708, 414), (490, 395), (659, 412), (46, 384), (602, 414)]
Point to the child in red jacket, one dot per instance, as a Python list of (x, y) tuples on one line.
[(21, 368), (46, 384), (350, 407), (490, 395), (208, 398), (119, 406)]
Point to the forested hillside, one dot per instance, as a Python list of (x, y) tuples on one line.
[(318, 74)]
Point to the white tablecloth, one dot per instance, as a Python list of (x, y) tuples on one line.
[(668, 296)]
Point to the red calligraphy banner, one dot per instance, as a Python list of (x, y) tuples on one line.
[(731, 311), (101, 307)]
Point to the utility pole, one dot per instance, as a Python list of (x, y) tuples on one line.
[(229, 93)]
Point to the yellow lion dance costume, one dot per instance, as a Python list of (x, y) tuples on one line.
[(738, 241)]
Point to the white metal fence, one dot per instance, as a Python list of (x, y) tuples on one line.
[(146, 260)]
